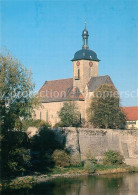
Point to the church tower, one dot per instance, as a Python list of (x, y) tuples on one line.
[(85, 64)]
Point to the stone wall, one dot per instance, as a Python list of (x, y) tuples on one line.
[(98, 141)]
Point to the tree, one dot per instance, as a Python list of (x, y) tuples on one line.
[(45, 140), (15, 153), (16, 103), (42, 146), (104, 110), (16, 99), (69, 115)]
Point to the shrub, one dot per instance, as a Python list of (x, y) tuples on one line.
[(61, 158), (34, 123), (91, 158), (48, 159), (19, 160), (89, 166), (112, 157), (75, 160), (60, 124)]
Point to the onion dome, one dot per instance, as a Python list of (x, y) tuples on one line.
[(85, 53)]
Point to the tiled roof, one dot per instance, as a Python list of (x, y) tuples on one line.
[(59, 90), (95, 82), (131, 113), (62, 90)]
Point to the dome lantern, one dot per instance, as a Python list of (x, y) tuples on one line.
[(85, 36), (85, 53)]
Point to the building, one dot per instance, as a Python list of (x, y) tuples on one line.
[(131, 116), (79, 88)]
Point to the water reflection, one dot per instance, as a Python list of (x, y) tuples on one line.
[(118, 184)]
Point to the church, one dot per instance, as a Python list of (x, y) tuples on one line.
[(79, 88)]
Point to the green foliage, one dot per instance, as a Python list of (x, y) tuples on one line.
[(69, 115), (89, 166), (75, 160), (60, 124), (61, 158), (15, 153), (34, 123), (90, 163), (42, 146), (44, 140), (19, 183), (48, 159), (16, 97), (91, 158), (19, 161), (103, 167), (104, 110), (16, 104), (113, 157)]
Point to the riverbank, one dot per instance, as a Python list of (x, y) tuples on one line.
[(68, 172)]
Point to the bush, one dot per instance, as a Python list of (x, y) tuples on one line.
[(60, 124), (61, 158), (75, 160), (48, 159), (34, 123), (89, 166), (19, 160), (112, 157), (91, 158)]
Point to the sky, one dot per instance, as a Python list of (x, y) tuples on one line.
[(44, 36)]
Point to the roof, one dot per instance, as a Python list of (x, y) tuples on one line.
[(63, 90), (95, 82), (85, 54), (131, 113), (59, 90), (85, 33)]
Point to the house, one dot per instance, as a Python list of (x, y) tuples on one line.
[(131, 116), (79, 88)]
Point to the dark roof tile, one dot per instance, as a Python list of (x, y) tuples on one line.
[(95, 82), (59, 90)]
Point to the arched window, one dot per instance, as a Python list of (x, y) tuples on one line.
[(90, 71), (77, 77), (78, 73), (40, 115), (47, 116)]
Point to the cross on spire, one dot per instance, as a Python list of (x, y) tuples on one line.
[(85, 36), (85, 23)]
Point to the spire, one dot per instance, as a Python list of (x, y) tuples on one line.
[(85, 24), (85, 36)]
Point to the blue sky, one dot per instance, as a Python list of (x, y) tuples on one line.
[(44, 35)]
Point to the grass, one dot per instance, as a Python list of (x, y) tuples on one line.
[(71, 169), (68, 172), (102, 167)]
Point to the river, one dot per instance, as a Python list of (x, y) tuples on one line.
[(114, 184)]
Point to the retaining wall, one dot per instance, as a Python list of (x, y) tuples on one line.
[(97, 141)]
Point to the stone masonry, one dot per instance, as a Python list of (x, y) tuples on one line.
[(98, 141)]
